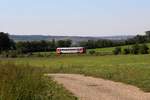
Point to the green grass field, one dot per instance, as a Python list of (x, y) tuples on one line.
[(110, 49), (130, 69), (27, 75)]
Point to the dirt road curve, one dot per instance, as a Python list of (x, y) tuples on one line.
[(89, 88)]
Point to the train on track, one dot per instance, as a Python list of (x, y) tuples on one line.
[(71, 50)]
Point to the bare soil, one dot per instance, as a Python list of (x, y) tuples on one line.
[(90, 88)]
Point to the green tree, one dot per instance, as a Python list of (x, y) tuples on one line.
[(83, 44), (5, 42), (148, 35), (64, 43), (53, 44), (140, 39)]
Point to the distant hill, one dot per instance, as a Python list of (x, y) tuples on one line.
[(75, 39)]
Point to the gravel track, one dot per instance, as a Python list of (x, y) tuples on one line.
[(90, 88)]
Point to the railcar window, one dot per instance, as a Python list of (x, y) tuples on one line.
[(71, 49)]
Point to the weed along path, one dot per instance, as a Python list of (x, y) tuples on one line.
[(89, 88)]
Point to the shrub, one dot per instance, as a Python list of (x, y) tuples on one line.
[(117, 50), (126, 51), (144, 49), (92, 52), (135, 49)]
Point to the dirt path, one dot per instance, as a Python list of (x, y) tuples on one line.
[(89, 88)]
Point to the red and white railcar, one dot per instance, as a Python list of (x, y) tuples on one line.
[(71, 50)]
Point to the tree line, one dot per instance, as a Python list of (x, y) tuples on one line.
[(41, 46), (7, 44), (139, 39), (92, 44)]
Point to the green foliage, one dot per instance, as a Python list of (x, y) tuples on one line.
[(92, 52), (117, 50), (102, 43), (135, 49), (64, 43), (5, 42), (139, 39), (148, 34), (108, 50), (91, 44), (33, 46), (126, 50), (24, 82), (41, 46), (144, 49)]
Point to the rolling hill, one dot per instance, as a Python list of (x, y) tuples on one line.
[(75, 39)]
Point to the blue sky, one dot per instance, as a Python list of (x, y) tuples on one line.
[(75, 17)]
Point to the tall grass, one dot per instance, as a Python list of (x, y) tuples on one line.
[(130, 69), (138, 76), (28, 83)]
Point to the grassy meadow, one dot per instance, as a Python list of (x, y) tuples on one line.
[(23, 78), (130, 69), (110, 49)]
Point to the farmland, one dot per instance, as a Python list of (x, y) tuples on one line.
[(130, 69)]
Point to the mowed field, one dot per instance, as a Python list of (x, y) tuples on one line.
[(129, 69)]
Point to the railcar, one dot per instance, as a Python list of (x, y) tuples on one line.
[(71, 50)]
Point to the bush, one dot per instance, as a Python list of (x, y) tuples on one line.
[(144, 49), (117, 50), (92, 52), (126, 51), (135, 49)]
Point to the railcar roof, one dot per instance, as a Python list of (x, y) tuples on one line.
[(70, 47)]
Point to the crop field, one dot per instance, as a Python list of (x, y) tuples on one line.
[(129, 69)]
